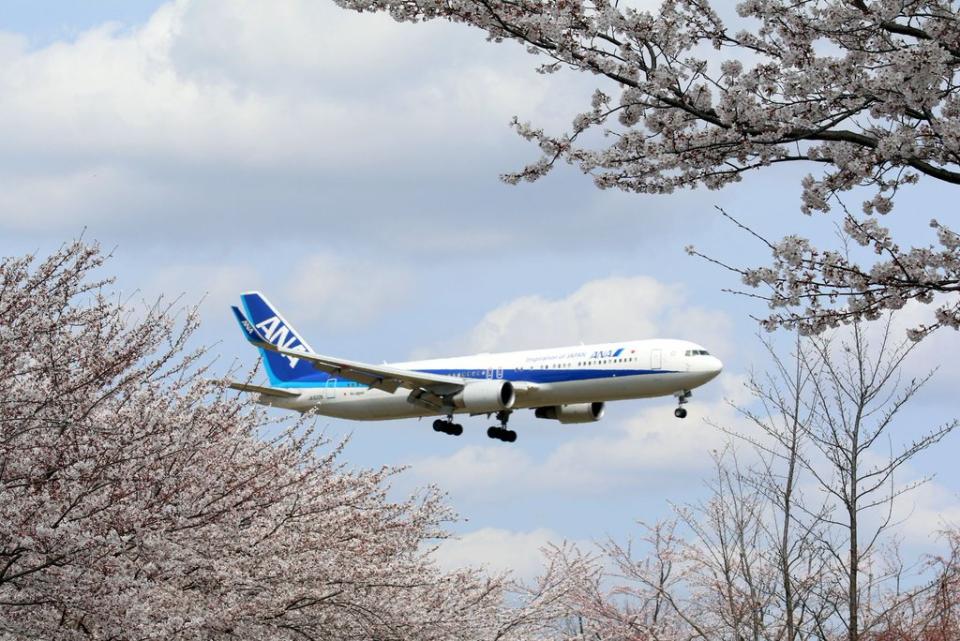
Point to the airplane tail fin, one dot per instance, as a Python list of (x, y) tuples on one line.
[(262, 322)]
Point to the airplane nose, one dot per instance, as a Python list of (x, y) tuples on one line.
[(716, 365), (711, 366)]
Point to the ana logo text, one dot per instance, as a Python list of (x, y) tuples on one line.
[(280, 335), (607, 353)]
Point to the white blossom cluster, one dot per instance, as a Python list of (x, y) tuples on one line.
[(804, 284), (867, 90), (139, 501)]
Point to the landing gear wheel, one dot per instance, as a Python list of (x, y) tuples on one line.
[(447, 427), (507, 436), (683, 397), (501, 433)]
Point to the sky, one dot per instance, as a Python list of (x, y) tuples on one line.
[(347, 166)]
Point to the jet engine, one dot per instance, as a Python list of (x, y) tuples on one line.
[(486, 396), (574, 413)]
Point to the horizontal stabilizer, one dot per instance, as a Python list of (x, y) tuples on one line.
[(249, 331), (260, 389)]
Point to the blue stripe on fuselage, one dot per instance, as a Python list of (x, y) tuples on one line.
[(322, 379)]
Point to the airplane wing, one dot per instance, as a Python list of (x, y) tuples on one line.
[(260, 389), (381, 377), (378, 376)]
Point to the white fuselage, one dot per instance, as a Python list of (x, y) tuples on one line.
[(550, 377)]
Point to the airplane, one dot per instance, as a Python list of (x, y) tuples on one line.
[(565, 384)]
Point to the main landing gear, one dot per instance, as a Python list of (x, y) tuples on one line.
[(682, 399), (501, 433), (448, 426)]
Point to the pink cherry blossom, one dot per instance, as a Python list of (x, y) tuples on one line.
[(140, 500)]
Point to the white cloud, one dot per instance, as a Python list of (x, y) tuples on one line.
[(600, 310), (641, 453), (339, 292), (939, 350), (223, 120), (38, 201), (476, 469), (214, 286), (327, 290), (12, 46), (651, 444), (498, 550), (253, 43), (926, 512), (206, 94), (615, 308)]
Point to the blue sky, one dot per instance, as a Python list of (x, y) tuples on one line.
[(44, 22), (347, 166)]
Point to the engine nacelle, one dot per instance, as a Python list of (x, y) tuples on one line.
[(574, 413), (486, 396)]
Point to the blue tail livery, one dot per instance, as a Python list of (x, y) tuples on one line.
[(267, 324)]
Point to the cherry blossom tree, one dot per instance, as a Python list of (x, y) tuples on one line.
[(796, 540), (865, 91), (140, 500), (935, 616)]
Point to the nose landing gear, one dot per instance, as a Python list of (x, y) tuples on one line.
[(682, 399), (448, 426), (500, 432)]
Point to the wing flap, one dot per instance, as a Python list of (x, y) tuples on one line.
[(260, 389)]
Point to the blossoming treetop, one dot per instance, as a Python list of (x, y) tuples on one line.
[(865, 91)]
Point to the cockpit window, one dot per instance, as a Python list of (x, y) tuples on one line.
[(697, 352)]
